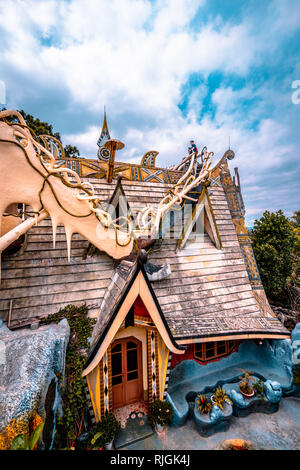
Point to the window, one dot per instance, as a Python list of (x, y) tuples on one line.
[(212, 350), (116, 362)]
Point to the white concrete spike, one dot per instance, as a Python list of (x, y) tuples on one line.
[(69, 234)]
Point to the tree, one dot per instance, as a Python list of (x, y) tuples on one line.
[(71, 151), (295, 222), (273, 241), (44, 128)]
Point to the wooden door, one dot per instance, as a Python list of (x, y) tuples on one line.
[(127, 377)]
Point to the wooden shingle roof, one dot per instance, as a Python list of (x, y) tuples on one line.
[(208, 293)]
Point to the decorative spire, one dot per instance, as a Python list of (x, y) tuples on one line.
[(103, 152), (104, 136)]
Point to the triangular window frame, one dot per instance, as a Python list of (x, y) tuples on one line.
[(210, 225)]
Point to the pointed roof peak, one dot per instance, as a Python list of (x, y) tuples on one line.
[(104, 136)]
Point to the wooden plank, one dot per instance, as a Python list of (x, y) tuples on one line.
[(29, 314), (52, 254), (183, 278), (47, 289), (194, 285), (220, 303), (198, 258), (241, 306), (48, 299), (40, 280), (60, 245), (17, 263), (195, 299), (187, 293), (46, 237)]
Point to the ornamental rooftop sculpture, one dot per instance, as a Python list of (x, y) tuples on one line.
[(31, 175)]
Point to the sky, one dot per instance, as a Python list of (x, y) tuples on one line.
[(167, 71)]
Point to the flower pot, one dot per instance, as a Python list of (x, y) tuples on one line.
[(247, 395), (109, 445)]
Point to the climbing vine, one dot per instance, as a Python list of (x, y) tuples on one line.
[(73, 396)]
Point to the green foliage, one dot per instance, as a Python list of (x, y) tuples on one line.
[(161, 412), (220, 397), (273, 243), (259, 388), (71, 151), (22, 442), (108, 427), (96, 441), (74, 399), (295, 223), (204, 404)]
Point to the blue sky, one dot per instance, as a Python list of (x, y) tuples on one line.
[(167, 71)]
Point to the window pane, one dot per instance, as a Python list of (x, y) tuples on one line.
[(132, 375), (132, 362), (131, 345), (117, 380), (221, 349), (116, 364), (198, 350), (209, 350), (117, 348)]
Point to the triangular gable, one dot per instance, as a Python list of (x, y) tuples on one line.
[(209, 222), (119, 201), (139, 286)]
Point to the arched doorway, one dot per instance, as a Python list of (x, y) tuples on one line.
[(127, 374)]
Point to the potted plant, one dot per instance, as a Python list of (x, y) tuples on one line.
[(160, 414), (106, 430), (204, 404), (220, 398), (245, 387)]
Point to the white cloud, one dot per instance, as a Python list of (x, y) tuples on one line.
[(135, 56)]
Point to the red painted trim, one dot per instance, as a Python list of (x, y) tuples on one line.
[(189, 354)]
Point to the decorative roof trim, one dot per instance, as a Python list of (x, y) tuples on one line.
[(233, 335)]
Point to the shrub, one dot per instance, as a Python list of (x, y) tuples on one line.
[(108, 428), (161, 412), (259, 388)]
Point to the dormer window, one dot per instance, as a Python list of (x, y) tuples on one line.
[(200, 226)]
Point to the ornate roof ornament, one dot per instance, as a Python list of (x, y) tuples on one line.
[(103, 152), (148, 160)]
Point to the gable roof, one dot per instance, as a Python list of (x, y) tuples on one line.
[(129, 282)]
